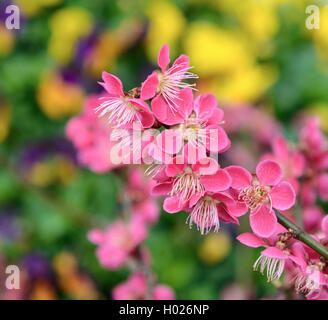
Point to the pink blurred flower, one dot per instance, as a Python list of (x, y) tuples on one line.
[(261, 193), (90, 137), (314, 146), (291, 162), (123, 109), (117, 242), (166, 86), (135, 288), (138, 189)]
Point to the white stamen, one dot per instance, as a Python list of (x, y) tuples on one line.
[(274, 266)]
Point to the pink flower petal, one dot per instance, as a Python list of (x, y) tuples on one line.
[(298, 163), (280, 148), (324, 225), (216, 117), (204, 106), (173, 204), (112, 84), (269, 172), (149, 87), (161, 188), (283, 196), (224, 215), (181, 63), (263, 222), (160, 108), (170, 141), (96, 236), (206, 166), (217, 182), (241, 178), (273, 252), (251, 240), (164, 57), (194, 153), (216, 139), (322, 184), (175, 166)]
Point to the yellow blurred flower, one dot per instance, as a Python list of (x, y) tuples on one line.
[(215, 247), (58, 98), (31, 8), (56, 169), (213, 50), (245, 85), (5, 120), (7, 41), (104, 56), (43, 290), (74, 284), (67, 26), (320, 36), (258, 19), (166, 25)]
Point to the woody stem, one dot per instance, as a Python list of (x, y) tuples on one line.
[(301, 235)]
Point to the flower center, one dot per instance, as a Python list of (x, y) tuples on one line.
[(186, 184), (172, 81), (254, 196), (205, 215), (118, 109)]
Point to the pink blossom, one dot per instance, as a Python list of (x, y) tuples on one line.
[(274, 257), (135, 288), (139, 193), (123, 109), (117, 242), (314, 146), (90, 137), (166, 86), (291, 162), (261, 193), (310, 279), (197, 130)]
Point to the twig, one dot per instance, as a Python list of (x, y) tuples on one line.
[(301, 235)]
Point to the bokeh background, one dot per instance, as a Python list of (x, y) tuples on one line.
[(254, 54)]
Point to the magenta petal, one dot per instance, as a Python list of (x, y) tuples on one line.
[(322, 185), (216, 139), (263, 222), (280, 148), (170, 141), (96, 236), (160, 108), (161, 188), (217, 182), (251, 240), (173, 204), (269, 172), (194, 153), (324, 225), (181, 63), (283, 196), (238, 209), (175, 166), (273, 252), (149, 87), (112, 84), (216, 117), (241, 178), (206, 166), (164, 57), (204, 106)]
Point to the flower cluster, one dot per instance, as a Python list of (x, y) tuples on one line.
[(179, 137)]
